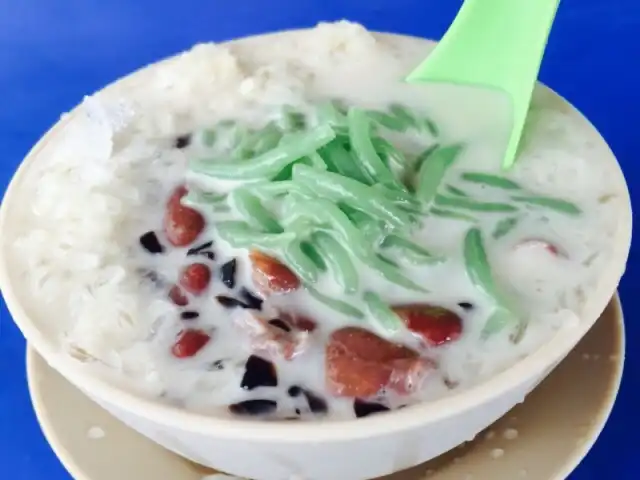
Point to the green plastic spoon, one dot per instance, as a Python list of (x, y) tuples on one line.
[(497, 44)]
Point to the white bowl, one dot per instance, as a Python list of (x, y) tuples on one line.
[(345, 450), (556, 422)]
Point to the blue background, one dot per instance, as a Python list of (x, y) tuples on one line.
[(52, 52)]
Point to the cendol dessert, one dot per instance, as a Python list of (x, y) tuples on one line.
[(281, 228)]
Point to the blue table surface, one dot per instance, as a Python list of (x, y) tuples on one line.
[(53, 52)]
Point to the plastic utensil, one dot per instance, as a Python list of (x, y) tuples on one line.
[(496, 44)]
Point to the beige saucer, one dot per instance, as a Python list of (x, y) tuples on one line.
[(541, 439)]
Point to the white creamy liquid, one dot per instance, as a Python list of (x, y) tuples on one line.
[(81, 254)]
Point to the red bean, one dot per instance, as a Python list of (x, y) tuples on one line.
[(182, 224), (361, 364), (537, 243), (436, 325), (189, 342), (271, 276), (195, 278), (178, 297)]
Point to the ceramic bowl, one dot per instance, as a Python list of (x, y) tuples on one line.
[(556, 422), (345, 450)]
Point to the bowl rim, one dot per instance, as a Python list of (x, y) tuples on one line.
[(523, 371)]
